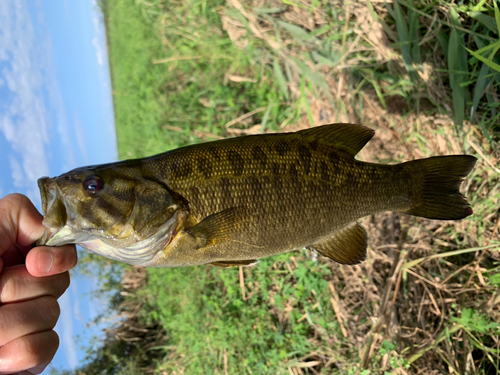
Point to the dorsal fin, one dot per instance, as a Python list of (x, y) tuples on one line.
[(346, 246), (350, 138)]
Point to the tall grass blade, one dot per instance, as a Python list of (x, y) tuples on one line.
[(480, 42), (457, 66), (320, 59), (485, 60), (289, 2), (269, 10), (315, 78), (492, 46), (305, 102), (484, 127), (444, 41), (497, 16), (482, 83), (298, 32), (265, 118), (404, 40), (486, 20), (493, 104), (414, 34), (280, 77)]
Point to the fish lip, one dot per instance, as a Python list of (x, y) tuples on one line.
[(49, 194), (43, 193), (43, 196)]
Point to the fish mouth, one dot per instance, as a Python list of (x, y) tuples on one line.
[(43, 193), (54, 214)]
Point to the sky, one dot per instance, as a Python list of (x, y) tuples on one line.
[(56, 114)]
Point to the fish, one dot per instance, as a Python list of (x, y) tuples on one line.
[(230, 202)]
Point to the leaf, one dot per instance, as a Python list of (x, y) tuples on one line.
[(457, 67), (494, 279), (497, 16), (266, 117), (320, 59), (480, 42), (486, 20), (281, 78), (414, 35), (321, 30), (404, 42), (483, 121), (443, 41), (474, 321), (304, 99), (488, 62), (331, 54), (481, 85), (455, 77), (493, 103), (493, 46), (289, 2), (298, 32), (314, 77), (269, 10), (454, 18)]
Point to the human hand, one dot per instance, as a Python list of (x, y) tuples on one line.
[(31, 281)]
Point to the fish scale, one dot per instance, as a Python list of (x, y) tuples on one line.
[(230, 202)]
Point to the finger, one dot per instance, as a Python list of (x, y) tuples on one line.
[(20, 222), (12, 257), (33, 353), (17, 284), (45, 260), (24, 318)]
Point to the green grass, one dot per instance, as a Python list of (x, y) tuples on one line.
[(202, 310), (135, 94), (173, 75), (429, 302)]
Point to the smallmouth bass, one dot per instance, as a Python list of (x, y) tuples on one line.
[(230, 202)]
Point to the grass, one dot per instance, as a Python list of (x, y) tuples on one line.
[(424, 75), (177, 78)]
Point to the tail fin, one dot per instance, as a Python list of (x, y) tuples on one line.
[(439, 180)]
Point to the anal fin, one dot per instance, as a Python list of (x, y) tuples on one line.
[(235, 263), (346, 246)]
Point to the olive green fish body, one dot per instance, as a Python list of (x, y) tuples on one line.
[(241, 199), (285, 192)]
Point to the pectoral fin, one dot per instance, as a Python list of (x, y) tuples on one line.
[(235, 263), (347, 246), (218, 227)]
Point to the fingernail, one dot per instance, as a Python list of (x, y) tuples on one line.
[(45, 261)]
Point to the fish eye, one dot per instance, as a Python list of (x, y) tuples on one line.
[(92, 184)]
